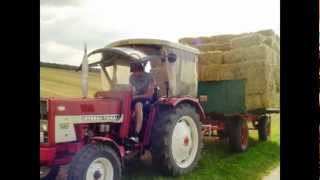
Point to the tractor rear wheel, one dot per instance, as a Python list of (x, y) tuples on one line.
[(176, 141), (239, 134), (95, 162), (264, 126)]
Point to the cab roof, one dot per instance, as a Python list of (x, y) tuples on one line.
[(156, 42)]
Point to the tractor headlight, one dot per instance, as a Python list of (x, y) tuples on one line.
[(43, 131), (43, 126)]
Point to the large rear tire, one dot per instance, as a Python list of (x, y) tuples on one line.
[(95, 162), (176, 140), (239, 134)]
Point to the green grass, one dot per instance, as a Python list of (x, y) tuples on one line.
[(217, 162)]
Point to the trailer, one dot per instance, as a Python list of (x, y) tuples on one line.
[(226, 114)]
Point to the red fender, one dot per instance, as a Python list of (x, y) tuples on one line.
[(174, 101), (119, 149)]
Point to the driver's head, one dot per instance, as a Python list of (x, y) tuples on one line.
[(136, 67)]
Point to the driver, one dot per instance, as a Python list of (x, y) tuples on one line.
[(143, 88)]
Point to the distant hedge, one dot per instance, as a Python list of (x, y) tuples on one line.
[(64, 66)]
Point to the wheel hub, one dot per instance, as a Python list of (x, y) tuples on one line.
[(96, 175), (186, 141)]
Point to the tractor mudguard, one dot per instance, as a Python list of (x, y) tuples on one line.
[(175, 101), (119, 149)]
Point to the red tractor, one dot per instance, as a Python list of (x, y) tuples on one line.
[(91, 134)]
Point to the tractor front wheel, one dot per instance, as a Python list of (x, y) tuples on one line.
[(176, 141), (239, 134), (95, 162), (49, 173)]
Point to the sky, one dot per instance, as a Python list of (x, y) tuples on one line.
[(65, 25)]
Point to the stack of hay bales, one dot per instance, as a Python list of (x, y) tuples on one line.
[(253, 57)]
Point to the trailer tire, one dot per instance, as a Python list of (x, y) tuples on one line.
[(264, 126), (52, 173), (95, 160), (176, 140), (238, 135)]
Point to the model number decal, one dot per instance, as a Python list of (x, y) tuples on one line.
[(111, 118)]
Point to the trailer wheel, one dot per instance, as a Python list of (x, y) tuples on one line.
[(239, 134), (49, 173), (264, 127), (176, 140), (95, 162)]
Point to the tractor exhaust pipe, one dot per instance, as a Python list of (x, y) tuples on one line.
[(84, 73)]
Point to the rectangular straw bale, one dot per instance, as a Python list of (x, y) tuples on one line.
[(221, 39), (254, 86), (273, 43), (270, 99), (194, 42), (201, 69), (266, 32), (259, 52), (253, 102), (214, 47), (260, 77), (218, 72), (277, 78), (211, 57), (247, 40), (209, 73)]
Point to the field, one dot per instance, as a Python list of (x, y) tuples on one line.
[(217, 163)]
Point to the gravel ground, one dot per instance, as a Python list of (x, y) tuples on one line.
[(274, 175)]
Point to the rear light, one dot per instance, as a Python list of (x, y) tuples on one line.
[(203, 98)]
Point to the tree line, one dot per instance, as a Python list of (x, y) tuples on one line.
[(64, 66)]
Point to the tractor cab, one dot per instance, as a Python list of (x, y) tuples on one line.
[(173, 66)]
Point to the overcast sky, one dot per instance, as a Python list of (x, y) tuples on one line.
[(66, 24)]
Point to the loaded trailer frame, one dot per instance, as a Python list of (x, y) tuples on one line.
[(234, 126)]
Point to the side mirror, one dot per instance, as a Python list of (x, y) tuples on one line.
[(172, 57)]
